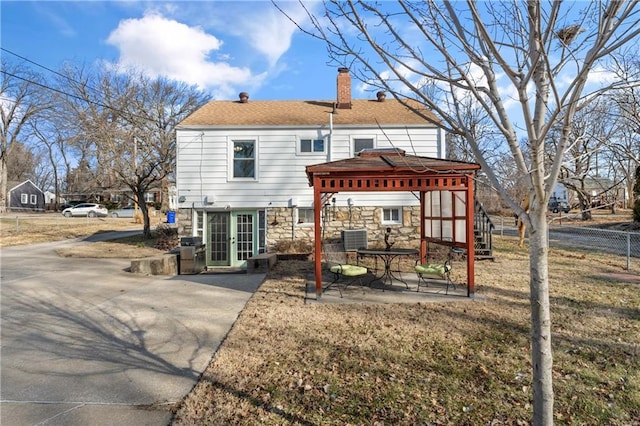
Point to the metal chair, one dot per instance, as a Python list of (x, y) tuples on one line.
[(436, 271), (345, 273)]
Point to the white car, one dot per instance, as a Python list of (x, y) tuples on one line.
[(86, 209), (128, 211)]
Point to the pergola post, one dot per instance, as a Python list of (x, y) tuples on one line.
[(471, 239), (317, 232)]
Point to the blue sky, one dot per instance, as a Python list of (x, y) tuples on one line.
[(224, 47)]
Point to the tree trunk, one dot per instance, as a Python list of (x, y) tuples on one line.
[(3, 184), (541, 355)]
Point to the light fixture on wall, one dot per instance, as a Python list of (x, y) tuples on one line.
[(182, 199), (350, 202), (293, 202), (209, 199)]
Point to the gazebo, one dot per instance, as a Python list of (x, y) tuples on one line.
[(445, 187)]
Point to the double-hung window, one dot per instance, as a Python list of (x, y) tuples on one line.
[(24, 198), (360, 144), (307, 146), (392, 215), (305, 215), (33, 199), (244, 159)]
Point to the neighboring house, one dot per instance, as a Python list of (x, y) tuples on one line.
[(560, 192), (241, 183), (26, 196)]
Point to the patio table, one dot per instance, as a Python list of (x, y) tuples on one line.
[(387, 257)]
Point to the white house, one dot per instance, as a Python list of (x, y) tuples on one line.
[(241, 182)]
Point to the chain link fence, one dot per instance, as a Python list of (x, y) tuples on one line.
[(626, 244), (621, 243)]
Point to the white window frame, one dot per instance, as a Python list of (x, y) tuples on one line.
[(33, 199), (231, 159), (353, 142), (312, 139), (297, 216), (391, 221), (24, 198)]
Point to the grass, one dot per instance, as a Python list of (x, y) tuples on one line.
[(37, 228), (466, 362), (287, 362)]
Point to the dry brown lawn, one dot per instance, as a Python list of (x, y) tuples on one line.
[(466, 362), (37, 228)]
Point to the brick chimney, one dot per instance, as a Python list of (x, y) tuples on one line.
[(344, 89)]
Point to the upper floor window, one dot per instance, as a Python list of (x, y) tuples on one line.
[(311, 146), (24, 198), (244, 159), (34, 199), (391, 215), (362, 143)]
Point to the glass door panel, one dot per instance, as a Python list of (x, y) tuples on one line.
[(218, 247)]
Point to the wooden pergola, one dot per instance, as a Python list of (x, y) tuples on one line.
[(445, 187)]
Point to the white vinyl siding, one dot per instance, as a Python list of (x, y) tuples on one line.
[(204, 165)]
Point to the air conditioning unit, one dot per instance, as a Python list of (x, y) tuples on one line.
[(354, 239)]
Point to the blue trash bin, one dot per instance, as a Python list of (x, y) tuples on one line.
[(171, 217)]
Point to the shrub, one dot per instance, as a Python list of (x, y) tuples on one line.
[(167, 237), (293, 246)]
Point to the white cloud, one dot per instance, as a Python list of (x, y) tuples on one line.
[(159, 46), (268, 30)]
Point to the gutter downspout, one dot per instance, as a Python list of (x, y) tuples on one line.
[(330, 135)]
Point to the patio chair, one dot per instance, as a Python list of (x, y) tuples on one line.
[(435, 271), (344, 273)]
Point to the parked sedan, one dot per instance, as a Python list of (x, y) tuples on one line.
[(123, 212), (86, 209)]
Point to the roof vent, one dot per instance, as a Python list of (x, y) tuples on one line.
[(381, 95), (244, 97)]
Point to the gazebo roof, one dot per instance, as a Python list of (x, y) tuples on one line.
[(390, 162)]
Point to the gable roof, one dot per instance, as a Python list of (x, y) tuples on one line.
[(26, 182), (309, 113)]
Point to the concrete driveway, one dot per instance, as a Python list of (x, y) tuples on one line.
[(86, 343)]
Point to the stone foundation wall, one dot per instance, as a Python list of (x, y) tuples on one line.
[(282, 231), (406, 234)]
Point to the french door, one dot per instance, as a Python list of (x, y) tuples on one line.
[(231, 238)]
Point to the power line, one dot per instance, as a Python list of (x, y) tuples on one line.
[(46, 68), (53, 89)]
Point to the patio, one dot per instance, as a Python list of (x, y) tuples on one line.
[(374, 291)]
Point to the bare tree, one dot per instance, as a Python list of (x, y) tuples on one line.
[(625, 106), (20, 101), (161, 105), (127, 123), (591, 130), (532, 56)]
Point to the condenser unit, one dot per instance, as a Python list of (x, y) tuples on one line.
[(354, 239)]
